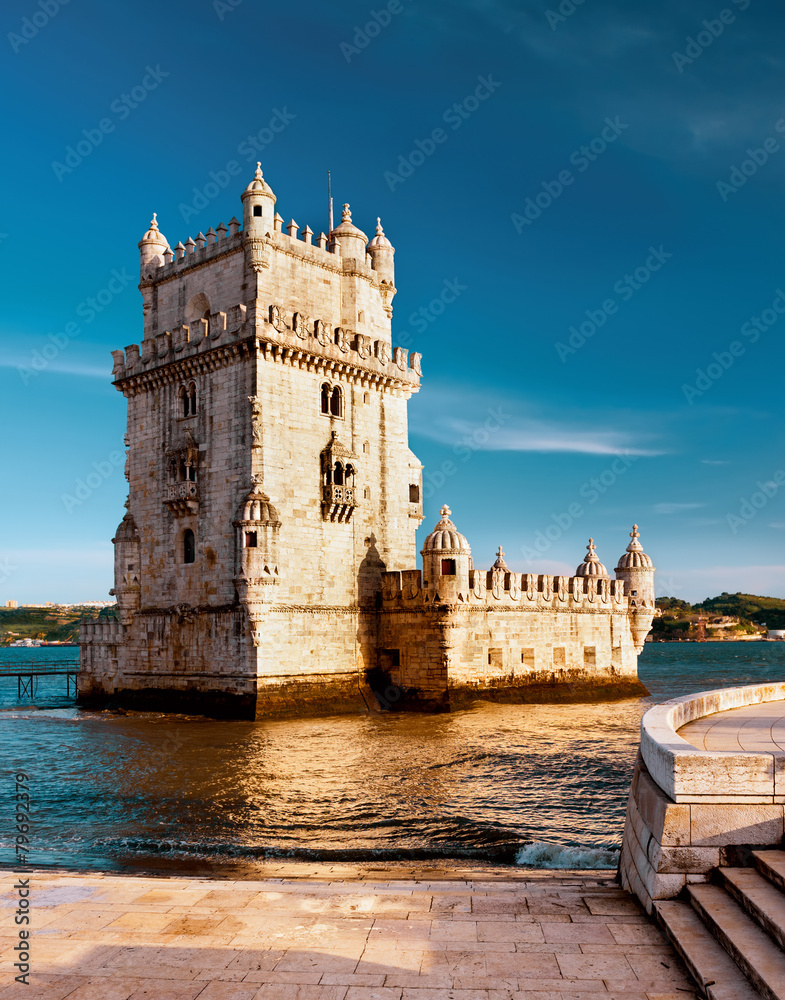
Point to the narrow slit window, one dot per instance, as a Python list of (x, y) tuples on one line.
[(189, 546)]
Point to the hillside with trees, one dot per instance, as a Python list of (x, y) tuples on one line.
[(52, 624), (728, 616)]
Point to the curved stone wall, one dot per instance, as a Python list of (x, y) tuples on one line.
[(691, 810)]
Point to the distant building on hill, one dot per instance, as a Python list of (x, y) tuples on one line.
[(266, 561)]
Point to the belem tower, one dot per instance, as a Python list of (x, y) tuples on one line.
[(266, 561)]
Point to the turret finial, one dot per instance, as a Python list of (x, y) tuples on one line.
[(346, 215), (445, 511), (379, 230), (258, 174), (154, 222), (635, 545), (500, 563)]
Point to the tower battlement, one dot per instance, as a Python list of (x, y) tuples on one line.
[(499, 589)]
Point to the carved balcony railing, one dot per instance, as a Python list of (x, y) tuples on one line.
[(338, 502), (182, 498)]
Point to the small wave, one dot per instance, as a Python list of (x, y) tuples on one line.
[(539, 854)]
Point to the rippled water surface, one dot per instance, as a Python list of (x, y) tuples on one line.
[(541, 785)]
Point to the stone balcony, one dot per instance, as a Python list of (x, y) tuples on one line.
[(182, 498)]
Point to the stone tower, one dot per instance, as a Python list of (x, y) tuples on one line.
[(266, 563), (270, 478)]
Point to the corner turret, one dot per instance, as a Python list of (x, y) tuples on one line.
[(381, 252), (152, 247), (258, 206), (446, 561), (350, 240), (636, 569)]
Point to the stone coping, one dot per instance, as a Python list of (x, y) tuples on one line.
[(688, 774)]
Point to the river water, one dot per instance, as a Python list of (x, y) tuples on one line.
[(536, 785)]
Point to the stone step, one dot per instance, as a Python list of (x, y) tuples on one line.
[(758, 957), (762, 900), (709, 964), (771, 865)]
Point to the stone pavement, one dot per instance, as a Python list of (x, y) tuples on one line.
[(340, 932), (755, 728)]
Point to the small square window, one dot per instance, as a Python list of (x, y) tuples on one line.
[(448, 567), (250, 540), (257, 210)]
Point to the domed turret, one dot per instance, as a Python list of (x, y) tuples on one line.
[(258, 205), (151, 249), (350, 239), (591, 565), (381, 252), (446, 561), (637, 571), (127, 554)]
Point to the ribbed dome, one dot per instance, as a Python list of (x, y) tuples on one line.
[(445, 537), (380, 241), (347, 227), (153, 235), (591, 565), (635, 557), (259, 183), (257, 507), (127, 530)]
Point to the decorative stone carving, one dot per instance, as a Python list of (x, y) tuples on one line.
[(256, 421), (302, 325), (323, 332)]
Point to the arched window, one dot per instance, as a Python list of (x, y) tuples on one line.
[(325, 398), (189, 546), (192, 398), (185, 403), (338, 474), (349, 476), (336, 402)]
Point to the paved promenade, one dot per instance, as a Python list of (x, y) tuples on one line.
[(754, 728), (340, 932)]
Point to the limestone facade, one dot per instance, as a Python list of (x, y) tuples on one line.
[(265, 562)]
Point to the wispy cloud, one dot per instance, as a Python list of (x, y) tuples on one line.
[(59, 368), (485, 421), (714, 461), (675, 508)]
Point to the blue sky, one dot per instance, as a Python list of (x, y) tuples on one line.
[(590, 207)]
